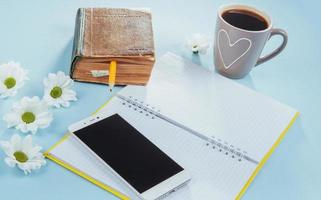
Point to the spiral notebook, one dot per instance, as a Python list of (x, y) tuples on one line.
[(218, 130)]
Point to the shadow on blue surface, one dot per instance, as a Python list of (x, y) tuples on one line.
[(63, 59)]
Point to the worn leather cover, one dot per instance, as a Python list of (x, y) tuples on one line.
[(102, 33)]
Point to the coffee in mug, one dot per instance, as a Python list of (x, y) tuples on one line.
[(240, 36), (246, 20)]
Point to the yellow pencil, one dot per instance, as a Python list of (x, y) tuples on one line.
[(112, 75)]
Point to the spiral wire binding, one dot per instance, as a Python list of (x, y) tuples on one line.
[(215, 143)]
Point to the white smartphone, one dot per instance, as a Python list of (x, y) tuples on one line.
[(143, 167)]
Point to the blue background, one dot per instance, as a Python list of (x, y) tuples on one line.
[(39, 35)]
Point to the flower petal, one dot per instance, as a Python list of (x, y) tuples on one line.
[(27, 143), (32, 152), (10, 162), (16, 142), (6, 147), (12, 119), (198, 43)]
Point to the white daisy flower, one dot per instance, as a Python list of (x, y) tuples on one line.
[(57, 90), (198, 43), (29, 115), (12, 77), (20, 152)]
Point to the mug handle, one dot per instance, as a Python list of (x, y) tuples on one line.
[(275, 31)]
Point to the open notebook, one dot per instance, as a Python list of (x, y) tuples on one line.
[(218, 130)]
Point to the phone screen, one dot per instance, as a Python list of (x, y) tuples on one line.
[(137, 160)]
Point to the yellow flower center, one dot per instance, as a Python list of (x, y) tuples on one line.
[(20, 156), (56, 92), (9, 82), (28, 117)]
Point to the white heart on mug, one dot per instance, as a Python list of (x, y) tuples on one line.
[(231, 52)]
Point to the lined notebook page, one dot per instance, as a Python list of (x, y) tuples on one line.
[(214, 105), (215, 173)]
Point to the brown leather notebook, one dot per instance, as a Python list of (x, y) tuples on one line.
[(106, 34)]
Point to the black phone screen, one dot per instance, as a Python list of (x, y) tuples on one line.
[(136, 159)]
